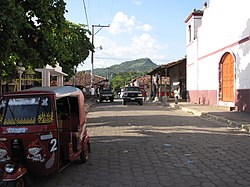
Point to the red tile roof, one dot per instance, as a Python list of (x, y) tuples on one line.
[(83, 78)]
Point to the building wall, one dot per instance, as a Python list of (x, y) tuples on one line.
[(192, 79), (225, 28)]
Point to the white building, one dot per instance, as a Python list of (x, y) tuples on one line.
[(218, 54)]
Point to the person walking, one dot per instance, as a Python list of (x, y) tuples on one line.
[(176, 94), (84, 92), (92, 93)]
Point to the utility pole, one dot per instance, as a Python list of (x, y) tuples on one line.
[(92, 53)]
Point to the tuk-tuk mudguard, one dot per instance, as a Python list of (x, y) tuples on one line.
[(86, 142), (18, 173)]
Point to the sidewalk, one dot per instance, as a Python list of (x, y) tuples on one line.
[(233, 119)]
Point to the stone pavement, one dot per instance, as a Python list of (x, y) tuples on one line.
[(233, 119), (157, 146), (87, 106)]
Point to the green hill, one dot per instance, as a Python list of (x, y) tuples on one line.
[(139, 65)]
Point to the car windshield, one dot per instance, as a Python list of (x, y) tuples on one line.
[(106, 91), (132, 89), (25, 111)]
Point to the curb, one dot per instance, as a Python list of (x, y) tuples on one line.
[(211, 117)]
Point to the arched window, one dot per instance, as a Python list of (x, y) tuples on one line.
[(189, 33)]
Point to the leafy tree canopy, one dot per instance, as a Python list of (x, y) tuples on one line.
[(36, 33), (120, 80)]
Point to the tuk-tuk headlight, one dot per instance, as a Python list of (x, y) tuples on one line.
[(3, 153), (9, 168)]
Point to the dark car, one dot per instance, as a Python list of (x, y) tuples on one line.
[(107, 95), (132, 94)]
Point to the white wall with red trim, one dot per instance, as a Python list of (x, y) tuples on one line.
[(224, 27)]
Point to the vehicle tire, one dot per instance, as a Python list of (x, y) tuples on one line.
[(140, 102), (123, 102), (84, 155), (111, 100), (18, 183)]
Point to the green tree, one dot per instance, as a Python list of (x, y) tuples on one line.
[(30, 29), (36, 33), (76, 46), (120, 80)]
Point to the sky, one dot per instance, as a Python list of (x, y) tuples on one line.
[(136, 29)]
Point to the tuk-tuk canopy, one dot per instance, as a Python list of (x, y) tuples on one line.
[(33, 106), (59, 91)]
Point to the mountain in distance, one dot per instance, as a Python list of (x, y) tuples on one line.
[(139, 65)]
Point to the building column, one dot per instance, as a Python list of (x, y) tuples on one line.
[(45, 78), (59, 80)]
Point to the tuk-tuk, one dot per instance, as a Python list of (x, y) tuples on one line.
[(41, 130)]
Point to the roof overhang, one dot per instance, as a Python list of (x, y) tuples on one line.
[(161, 69), (194, 13)]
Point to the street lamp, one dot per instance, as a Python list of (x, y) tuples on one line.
[(20, 71)]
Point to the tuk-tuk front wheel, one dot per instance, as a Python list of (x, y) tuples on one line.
[(84, 156), (18, 183)]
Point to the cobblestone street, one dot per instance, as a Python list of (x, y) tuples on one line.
[(151, 145)]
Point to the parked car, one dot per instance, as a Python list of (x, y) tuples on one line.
[(132, 94), (106, 94)]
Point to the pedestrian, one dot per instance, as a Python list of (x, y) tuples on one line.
[(92, 93), (84, 92), (176, 94)]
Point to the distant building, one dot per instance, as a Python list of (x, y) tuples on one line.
[(218, 54), (164, 76), (83, 78)]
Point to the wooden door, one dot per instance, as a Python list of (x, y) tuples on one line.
[(228, 78)]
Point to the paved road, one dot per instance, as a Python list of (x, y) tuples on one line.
[(151, 145)]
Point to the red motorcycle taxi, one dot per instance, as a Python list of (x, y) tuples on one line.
[(42, 130)]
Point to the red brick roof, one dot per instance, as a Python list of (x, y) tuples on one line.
[(83, 78)]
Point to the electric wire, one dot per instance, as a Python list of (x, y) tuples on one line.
[(89, 13), (110, 57), (86, 14)]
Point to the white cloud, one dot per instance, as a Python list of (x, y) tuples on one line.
[(146, 27), (132, 41), (115, 53), (122, 23), (138, 47), (146, 44), (137, 2), (125, 24)]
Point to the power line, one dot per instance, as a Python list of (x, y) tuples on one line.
[(89, 12), (110, 57), (86, 15)]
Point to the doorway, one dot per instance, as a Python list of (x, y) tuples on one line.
[(227, 78)]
